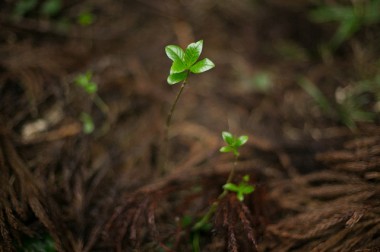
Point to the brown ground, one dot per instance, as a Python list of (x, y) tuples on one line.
[(317, 182)]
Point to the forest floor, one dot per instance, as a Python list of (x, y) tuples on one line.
[(308, 100)]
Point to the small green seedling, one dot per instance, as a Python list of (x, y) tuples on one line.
[(23, 7), (86, 18), (85, 81), (241, 189), (51, 7), (44, 243), (186, 61), (47, 8), (88, 123), (90, 87), (233, 143), (350, 18), (351, 104)]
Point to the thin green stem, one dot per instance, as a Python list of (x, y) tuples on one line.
[(168, 124), (171, 112), (105, 110), (101, 104), (232, 172), (195, 243), (214, 206)]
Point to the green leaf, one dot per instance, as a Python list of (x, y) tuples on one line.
[(91, 87), (227, 137), (175, 53), (192, 53), (86, 18), (81, 80), (246, 178), (231, 187), (316, 94), (186, 221), (247, 189), (84, 81), (177, 67), (227, 149), (241, 140), (202, 66), (236, 153), (346, 29), (177, 77), (240, 196), (23, 7), (51, 7), (45, 243), (88, 123)]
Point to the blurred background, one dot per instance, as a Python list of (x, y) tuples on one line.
[(83, 104)]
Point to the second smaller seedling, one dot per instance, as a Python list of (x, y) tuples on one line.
[(85, 81), (241, 189), (90, 87), (233, 143)]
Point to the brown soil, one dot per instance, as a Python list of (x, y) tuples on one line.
[(317, 182)]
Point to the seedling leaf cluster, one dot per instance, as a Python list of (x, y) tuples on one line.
[(186, 61), (241, 189), (350, 18), (85, 82), (233, 143)]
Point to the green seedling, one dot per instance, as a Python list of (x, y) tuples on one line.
[(350, 18), (23, 7), (86, 18), (233, 145), (47, 8), (90, 87), (85, 81), (241, 189), (51, 7), (351, 104), (262, 82), (87, 122), (44, 243), (184, 63), (311, 89)]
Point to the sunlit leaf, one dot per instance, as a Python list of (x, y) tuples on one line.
[(231, 187), (177, 67), (227, 137), (241, 140), (202, 66), (88, 123), (192, 53), (177, 77), (226, 149), (86, 18), (246, 178), (175, 53), (84, 81), (91, 88), (247, 189), (51, 7)]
